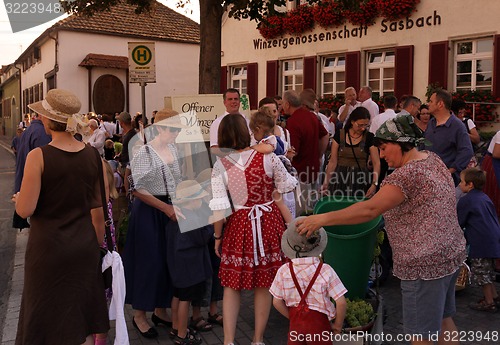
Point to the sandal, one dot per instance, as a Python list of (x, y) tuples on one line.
[(189, 339), (173, 333), (200, 324), (215, 319)]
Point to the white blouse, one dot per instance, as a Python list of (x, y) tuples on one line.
[(283, 181)]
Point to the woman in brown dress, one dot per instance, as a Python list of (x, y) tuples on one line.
[(63, 300), (347, 173)]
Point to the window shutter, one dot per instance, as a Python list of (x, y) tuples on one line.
[(438, 63), (272, 78), (223, 79), (496, 66), (403, 78), (352, 69), (310, 72), (252, 85)]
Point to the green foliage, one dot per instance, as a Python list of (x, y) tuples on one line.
[(359, 312), (380, 240), (431, 88)]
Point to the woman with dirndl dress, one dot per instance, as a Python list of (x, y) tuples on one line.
[(155, 174), (251, 243)]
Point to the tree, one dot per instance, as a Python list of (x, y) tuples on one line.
[(211, 12)]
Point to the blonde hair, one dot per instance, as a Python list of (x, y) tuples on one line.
[(262, 118), (113, 193)]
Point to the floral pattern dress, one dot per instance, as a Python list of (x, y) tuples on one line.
[(251, 246)]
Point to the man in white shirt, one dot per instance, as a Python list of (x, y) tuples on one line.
[(232, 103), (97, 137), (350, 104), (390, 103), (365, 97)]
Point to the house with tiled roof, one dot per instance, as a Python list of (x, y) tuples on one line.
[(89, 56), (10, 101)]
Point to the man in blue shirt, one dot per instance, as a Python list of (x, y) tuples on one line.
[(34, 136), (448, 135)]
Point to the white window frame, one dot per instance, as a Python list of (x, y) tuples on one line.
[(294, 73), (474, 57), (382, 66), (335, 69), (240, 77), (291, 5)]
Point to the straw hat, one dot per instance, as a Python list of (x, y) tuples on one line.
[(204, 175), (168, 118), (189, 190), (59, 105), (296, 246)]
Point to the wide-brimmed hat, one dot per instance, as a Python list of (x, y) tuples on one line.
[(296, 246), (168, 118), (401, 129), (204, 175), (189, 190), (59, 105)]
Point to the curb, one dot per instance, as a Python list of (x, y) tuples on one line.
[(16, 288)]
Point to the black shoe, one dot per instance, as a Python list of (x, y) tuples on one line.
[(158, 321), (150, 333)]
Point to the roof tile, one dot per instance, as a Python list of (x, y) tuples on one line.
[(107, 61), (162, 23)]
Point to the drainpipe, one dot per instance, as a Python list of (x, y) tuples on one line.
[(56, 51), (20, 97)]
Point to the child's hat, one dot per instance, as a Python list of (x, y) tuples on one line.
[(296, 246), (204, 175), (189, 190)]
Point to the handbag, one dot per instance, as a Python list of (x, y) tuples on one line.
[(107, 274), (463, 278)]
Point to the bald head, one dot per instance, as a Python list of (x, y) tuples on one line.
[(93, 124)]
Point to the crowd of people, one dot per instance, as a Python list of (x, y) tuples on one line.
[(199, 236)]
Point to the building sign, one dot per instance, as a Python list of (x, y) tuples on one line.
[(198, 112), (347, 32), (141, 62)]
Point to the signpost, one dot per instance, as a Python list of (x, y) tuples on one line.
[(142, 68)]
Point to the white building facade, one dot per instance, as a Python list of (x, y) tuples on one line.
[(89, 56), (451, 43)]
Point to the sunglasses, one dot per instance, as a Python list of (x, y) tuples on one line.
[(174, 129)]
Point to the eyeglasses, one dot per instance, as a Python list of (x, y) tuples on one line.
[(174, 129), (362, 125)]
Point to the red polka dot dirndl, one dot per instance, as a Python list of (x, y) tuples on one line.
[(251, 246)]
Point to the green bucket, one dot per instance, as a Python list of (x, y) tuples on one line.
[(350, 247)]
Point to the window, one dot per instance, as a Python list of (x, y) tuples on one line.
[(292, 75), (332, 75), (51, 82), (6, 108), (380, 72), (473, 64), (239, 78), (293, 4)]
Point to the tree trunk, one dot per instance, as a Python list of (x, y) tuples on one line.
[(210, 46)]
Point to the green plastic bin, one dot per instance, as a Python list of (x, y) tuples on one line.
[(350, 247)]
